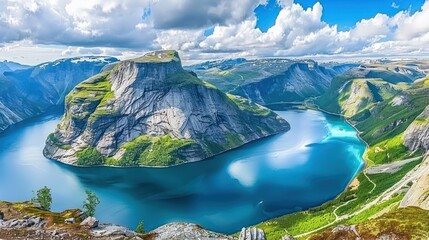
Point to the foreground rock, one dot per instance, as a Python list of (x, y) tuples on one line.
[(24, 221), (150, 111), (90, 222), (252, 234), (111, 230), (185, 231)]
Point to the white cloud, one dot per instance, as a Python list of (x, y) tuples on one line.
[(125, 28), (191, 14), (413, 26), (394, 5)]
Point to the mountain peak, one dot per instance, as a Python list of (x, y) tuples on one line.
[(159, 56)]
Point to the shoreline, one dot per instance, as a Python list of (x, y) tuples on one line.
[(171, 166)]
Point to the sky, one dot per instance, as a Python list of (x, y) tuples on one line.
[(36, 31)]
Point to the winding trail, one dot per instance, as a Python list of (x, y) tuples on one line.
[(337, 218), (386, 195), (369, 179)]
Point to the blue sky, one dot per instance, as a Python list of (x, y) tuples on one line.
[(213, 29), (344, 13)]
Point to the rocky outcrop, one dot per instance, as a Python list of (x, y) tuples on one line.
[(111, 230), (28, 92), (252, 234), (26, 222), (418, 195), (149, 111), (185, 231), (400, 100), (416, 137)]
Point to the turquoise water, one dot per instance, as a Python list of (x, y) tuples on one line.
[(308, 165)]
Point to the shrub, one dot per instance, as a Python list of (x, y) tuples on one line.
[(90, 157), (91, 202), (43, 197), (140, 227)]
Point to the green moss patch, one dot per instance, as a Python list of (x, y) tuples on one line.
[(159, 56), (58, 143), (152, 151), (246, 105), (90, 157)]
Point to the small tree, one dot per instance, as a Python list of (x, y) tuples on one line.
[(43, 197), (140, 227), (91, 202)]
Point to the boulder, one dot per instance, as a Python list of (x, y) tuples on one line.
[(37, 205), (252, 234), (69, 220), (1, 215), (90, 222), (110, 230), (185, 231)]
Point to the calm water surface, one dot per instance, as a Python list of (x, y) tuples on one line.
[(296, 170)]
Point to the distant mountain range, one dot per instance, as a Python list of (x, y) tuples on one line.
[(268, 81), (8, 66), (29, 91)]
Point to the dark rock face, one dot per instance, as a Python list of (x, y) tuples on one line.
[(152, 99), (29, 92)]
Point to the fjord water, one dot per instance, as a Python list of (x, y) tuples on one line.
[(304, 167)]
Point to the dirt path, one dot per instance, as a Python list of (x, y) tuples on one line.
[(386, 195)]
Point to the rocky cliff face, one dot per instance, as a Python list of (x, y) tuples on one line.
[(28, 92), (416, 137), (149, 111), (418, 195), (267, 81)]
